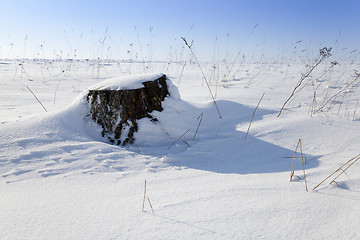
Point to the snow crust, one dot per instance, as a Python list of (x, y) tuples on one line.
[(125, 82), (59, 180)]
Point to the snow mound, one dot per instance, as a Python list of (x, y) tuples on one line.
[(69, 140), (169, 122)]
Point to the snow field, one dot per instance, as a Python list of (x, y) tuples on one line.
[(59, 180)]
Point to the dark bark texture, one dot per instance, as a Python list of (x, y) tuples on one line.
[(117, 111)]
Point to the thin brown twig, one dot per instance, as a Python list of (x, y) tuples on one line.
[(302, 161), (152, 210), (299, 145), (344, 170), (335, 171), (253, 115), (292, 167)]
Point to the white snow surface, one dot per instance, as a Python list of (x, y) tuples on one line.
[(125, 82), (60, 180)]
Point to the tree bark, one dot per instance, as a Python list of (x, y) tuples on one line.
[(117, 111)]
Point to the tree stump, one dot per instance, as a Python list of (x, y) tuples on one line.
[(117, 111)]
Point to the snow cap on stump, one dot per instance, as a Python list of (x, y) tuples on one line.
[(117, 103)]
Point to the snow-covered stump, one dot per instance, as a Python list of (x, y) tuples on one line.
[(117, 105)]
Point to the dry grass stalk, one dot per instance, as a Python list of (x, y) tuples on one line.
[(343, 171), (143, 204), (182, 71), (342, 91), (152, 210), (347, 113), (36, 98), (146, 197), (355, 110), (340, 104), (324, 53), (200, 120), (179, 138), (299, 145), (337, 170), (295, 157), (334, 63), (302, 161), (314, 103), (186, 142), (137, 146), (207, 83), (253, 115), (292, 167)]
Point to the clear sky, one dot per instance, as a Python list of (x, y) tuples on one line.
[(152, 29)]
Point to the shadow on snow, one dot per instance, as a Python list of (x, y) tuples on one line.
[(219, 147)]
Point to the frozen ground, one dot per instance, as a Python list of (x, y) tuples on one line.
[(59, 180)]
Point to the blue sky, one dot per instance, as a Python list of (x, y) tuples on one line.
[(152, 30)]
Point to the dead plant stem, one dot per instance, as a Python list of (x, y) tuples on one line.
[(299, 145), (324, 53), (202, 72), (36, 98), (355, 110), (200, 120), (152, 210), (292, 167), (302, 161), (338, 93), (354, 161), (179, 138), (252, 117), (143, 204), (336, 171)]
